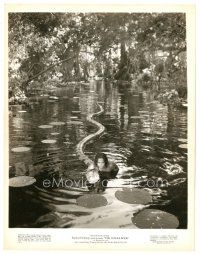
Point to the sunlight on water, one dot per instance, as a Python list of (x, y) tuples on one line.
[(144, 138)]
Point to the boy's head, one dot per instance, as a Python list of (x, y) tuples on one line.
[(101, 160)]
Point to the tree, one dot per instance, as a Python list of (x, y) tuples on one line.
[(68, 45)]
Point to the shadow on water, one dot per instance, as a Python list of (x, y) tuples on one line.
[(142, 136)]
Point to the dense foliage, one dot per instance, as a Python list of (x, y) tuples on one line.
[(55, 48)]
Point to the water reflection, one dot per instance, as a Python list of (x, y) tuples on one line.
[(142, 137)]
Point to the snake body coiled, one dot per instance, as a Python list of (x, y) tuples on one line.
[(82, 143)]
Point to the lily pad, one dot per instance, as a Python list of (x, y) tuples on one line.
[(45, 126), (183, 146), (92, 201), (57, 123), (53, 97), (153, 218), (76, 111), (21, 181), (133, 196), (48, 141), (55, 133), (20, 149), (182, 140), (75, 122), (136, 117), (185, 105)]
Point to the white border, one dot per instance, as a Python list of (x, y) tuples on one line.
[(81, 2)]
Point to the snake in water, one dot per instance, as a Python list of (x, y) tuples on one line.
[(82, 143)]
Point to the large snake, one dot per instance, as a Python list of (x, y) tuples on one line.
[(82, 143)]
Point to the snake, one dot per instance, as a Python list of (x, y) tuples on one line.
[(81, 145)]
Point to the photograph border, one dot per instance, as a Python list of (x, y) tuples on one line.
[(62, 239)]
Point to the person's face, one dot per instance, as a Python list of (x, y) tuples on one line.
[(100, 163)]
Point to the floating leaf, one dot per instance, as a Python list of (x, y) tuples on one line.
[(92, 201), (45, 126), (152, 218), (21, 149), (48, 141), (55, 133), (185, 105), (182, 140), (136, 117), (143, 111), (57, 123), (76, 111), (21, 181), (183, 146), (133, 196), (53, 97), (75, 122)]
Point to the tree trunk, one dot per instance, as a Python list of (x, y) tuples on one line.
[(123, 56), (77, 65)]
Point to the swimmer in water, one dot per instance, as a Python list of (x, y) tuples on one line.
[(100, 171)]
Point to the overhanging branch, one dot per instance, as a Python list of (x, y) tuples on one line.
[(49, 68)]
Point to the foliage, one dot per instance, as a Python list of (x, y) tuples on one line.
[(62, 47), (170, 98)]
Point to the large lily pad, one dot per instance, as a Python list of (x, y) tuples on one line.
[(92, 201), (20, 149), (21, 181), (48, 141), (153, 218), (57, 123), (133, 196), (47, 126)]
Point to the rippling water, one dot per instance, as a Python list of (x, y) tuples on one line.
[(142, 136)]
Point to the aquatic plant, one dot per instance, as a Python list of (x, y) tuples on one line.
[(152, 218)]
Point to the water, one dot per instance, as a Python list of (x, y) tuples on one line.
[(142, 137)]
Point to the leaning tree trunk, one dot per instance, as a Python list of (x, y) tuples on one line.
[(25, 82)]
